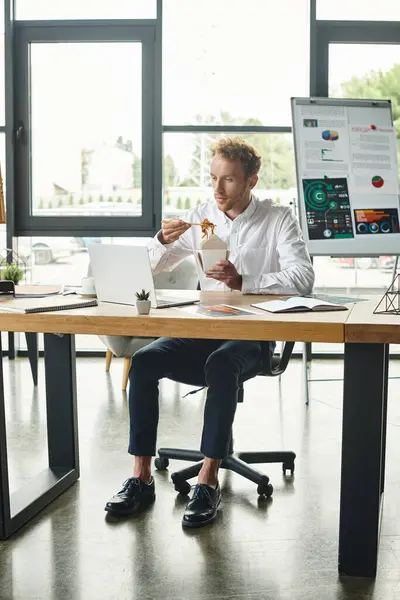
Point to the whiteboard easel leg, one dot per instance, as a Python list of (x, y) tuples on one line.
[(305, 373), (396, 262)]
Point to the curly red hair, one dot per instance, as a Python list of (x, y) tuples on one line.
[(238, 149)]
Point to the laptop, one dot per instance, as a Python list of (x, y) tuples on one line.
[(120, 271)]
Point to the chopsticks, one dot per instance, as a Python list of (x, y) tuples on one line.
[(187, 222)]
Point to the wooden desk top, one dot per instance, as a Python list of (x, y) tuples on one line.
[(114, 319), (363, 326)]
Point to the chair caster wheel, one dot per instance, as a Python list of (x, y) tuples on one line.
[(265, 489), (288, 467), (182, 487), (161, 463)]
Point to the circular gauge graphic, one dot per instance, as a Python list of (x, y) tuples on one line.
[(330, 135), (315, 196), (328, 233), (377, 181), (374, 227), (385, 227), (362, 228)]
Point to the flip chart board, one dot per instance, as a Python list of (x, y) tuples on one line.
[(347, 176)]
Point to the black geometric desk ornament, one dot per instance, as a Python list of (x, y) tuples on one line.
[(389, 304)]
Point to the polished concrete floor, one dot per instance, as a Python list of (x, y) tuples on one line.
[(282, 549)]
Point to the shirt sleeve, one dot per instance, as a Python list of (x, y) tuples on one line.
[(165, 257), (296, 275)]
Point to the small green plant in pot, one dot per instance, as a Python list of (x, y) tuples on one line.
[(142, 302), (12, 272)]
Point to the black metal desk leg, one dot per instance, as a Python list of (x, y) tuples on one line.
[(384, 416), (33, 354), (11, 345), (62, 439), (62, 421), (5, 516), (365, 369)]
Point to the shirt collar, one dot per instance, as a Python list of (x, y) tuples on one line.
[(247, 213)]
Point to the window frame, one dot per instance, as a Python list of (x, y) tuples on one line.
[(145, 32), (345, 32)]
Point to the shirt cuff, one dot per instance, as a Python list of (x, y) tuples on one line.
[(157, 244), (157, 251), (248, 284)]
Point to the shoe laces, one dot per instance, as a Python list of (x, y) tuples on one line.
[(130, 483), (201, 493)]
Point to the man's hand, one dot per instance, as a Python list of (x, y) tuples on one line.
[(172, 230), (226, 272)]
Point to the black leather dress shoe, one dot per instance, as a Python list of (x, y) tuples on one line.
[(134, 496), (202, 508)]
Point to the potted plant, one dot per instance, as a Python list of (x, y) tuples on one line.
[(143, 303), (12, 272)]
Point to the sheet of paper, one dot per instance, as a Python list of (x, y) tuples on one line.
[(217, 310), (374, 160), (323, 140)]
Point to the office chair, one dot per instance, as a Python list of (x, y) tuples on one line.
[(237, 462)]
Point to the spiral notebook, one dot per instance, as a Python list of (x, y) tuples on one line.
[(20, 306)]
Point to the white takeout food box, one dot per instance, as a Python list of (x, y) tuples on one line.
[(211, 251)]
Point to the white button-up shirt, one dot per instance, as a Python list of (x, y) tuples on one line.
[(265, 244)]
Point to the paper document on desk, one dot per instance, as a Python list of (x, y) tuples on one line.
[(298, 304), (218, 310)]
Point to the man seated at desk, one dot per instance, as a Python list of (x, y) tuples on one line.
[(267, 255)]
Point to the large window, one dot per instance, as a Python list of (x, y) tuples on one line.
[(354, 274), (86, 117), (187, 168), (87, 114), (364, 71), (230, 62), (85, 9), (85, 124)]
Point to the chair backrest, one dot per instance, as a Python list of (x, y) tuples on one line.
[(278, 363), (182, 277), (276, 366)]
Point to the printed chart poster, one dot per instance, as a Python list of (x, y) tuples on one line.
[(324, 140), (374, 160), (376, 220), (327, 207)]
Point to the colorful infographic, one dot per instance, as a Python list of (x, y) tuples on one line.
[(327, 206), (376, 220)]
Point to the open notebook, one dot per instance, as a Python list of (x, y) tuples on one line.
[(298, 304)]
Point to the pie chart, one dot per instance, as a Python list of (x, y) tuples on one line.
[(377, 181), (330, 135)]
